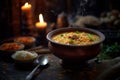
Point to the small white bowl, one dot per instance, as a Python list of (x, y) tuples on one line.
[(24, 57)]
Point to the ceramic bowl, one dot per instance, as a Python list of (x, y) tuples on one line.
[(28, 41), (9, 48), (24, 57), (75, 53)]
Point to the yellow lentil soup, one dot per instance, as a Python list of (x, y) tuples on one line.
[(76, 38)]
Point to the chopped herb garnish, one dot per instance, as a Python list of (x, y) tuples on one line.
[(71, 42), (77, 32), (61, 35), (90, 36)]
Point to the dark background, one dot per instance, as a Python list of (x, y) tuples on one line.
[(5, 19), (92, 7)]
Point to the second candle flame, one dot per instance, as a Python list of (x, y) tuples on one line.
[(26, 4), (41, 18)]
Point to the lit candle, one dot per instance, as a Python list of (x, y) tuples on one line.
[(26, 7), (27, 18), (41, 24)]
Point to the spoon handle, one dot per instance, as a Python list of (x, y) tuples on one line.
[(30, 75)]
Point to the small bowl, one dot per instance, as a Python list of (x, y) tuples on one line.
[(28, 41), (24, 57), (75, 53), (10, 47)]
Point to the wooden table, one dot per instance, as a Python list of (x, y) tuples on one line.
[(55, 71)]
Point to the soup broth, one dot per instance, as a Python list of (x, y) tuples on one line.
[(76, 38)]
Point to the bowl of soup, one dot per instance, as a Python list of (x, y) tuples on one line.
[(75, 45), (11, 46), (28, 41), (8, 48)]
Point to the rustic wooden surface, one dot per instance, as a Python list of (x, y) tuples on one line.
[(55, 70)]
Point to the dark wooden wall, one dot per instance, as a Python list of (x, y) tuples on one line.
[(10, 18), (10, 12), (5, 19)]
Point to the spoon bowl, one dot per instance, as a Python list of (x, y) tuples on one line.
[(44, 61)]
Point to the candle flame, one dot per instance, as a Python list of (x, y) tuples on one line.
[(26, 4), (41, 18)]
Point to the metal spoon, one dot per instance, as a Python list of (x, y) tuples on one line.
[(42, 63)]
